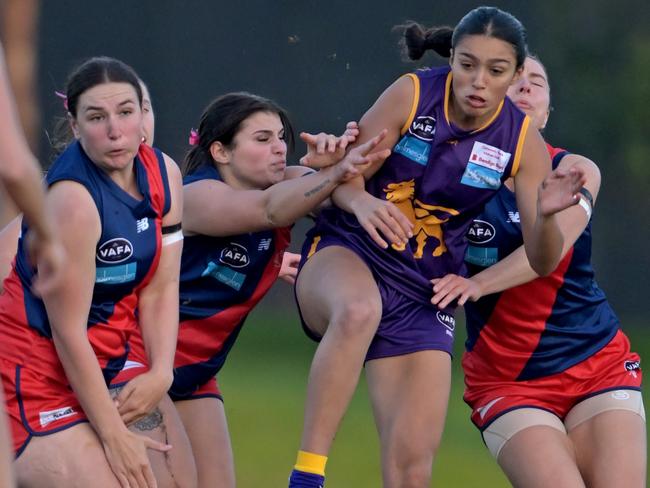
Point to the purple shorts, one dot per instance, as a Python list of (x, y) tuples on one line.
[(406, 325)]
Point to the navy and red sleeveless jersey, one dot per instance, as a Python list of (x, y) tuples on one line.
[(439, 176), (222, 279), (126, 258), (539, 328)]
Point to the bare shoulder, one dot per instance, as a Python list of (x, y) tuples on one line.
[(72, 207), (173, 171)]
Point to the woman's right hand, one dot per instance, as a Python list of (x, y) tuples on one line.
[(126, 453), (360, 158), (376, 215)]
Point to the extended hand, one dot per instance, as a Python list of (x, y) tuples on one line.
[(376, 215), (289, 268), (141, 395), (126, 453), (324, 150), (559, 190), (452, 287)]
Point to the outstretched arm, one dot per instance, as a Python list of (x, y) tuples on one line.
[(540, 195), (515, 269), (214, 208)]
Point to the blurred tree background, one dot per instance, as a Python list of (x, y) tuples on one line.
[(326, 62)]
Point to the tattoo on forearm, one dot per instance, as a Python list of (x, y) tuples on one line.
[(317, 188)]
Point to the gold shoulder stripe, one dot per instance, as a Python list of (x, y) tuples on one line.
[(414, 103), (520, 145), (492, 119), (446, 97)]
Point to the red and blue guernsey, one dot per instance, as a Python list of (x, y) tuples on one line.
[(222, 279), (439, 176), (126, 258), (539, 328)]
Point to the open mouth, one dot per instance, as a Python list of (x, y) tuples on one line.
[(476, 101)]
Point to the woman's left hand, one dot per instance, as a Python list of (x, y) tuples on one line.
[(559, 190), (141, 395), (289, 269), (452, 287)]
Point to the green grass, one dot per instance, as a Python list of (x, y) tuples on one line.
[(264, 384)]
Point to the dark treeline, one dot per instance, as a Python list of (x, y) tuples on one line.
[(327, 61)]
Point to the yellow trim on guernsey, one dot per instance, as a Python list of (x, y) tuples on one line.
[(520, 145), (447, 95), (487, 124), (313, 247), (308, 462), (414, 104)]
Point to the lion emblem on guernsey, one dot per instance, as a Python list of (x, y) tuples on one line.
[(426, 219)]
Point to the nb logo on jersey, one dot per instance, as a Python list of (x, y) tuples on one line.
[(141, 225), (264, 244), (513, 217), (425, 223)]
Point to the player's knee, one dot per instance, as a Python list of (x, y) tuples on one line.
[(414, 474), (358, 317)]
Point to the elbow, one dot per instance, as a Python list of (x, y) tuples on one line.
[(543, 269)]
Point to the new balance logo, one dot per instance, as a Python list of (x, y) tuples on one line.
[(264, 244), (141, 225), (513, 217)]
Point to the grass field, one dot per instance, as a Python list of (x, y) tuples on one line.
[(264, 385)]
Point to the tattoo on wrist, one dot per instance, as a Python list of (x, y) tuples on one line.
[(317, 188)]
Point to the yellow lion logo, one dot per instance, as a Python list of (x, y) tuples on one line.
[(425, 223)]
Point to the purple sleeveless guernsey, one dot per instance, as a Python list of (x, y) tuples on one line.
[(440, 177)]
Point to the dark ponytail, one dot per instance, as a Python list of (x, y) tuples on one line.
[(487, 21), (418, 39)]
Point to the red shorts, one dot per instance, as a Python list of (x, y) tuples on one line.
[(209, 389), (36, 404), (135, 366), (614, 367)]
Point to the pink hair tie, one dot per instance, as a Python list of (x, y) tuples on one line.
[(63, 97), (194, 138)]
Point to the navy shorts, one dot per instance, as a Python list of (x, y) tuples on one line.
[(406, 325)]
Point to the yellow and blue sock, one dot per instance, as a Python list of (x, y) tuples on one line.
[(309, 471)]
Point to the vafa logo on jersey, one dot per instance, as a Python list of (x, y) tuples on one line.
[(423, 127), (234, 255), (115, 251), (480, 232)]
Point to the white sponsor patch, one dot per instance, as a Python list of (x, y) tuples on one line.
[(489, 157), (50, 416)]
